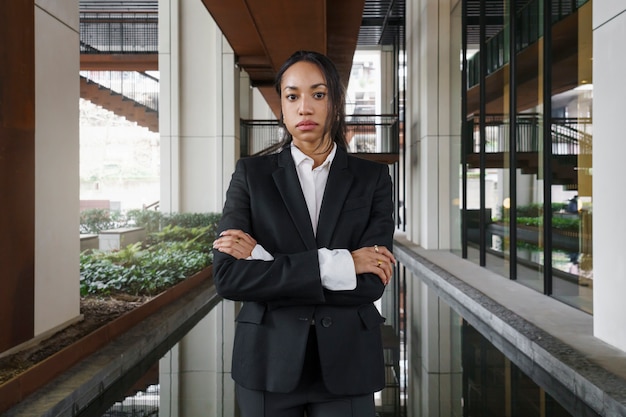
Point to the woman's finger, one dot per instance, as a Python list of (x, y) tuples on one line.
[(383, 251), (236, 243)]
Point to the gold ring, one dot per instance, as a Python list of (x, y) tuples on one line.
[(376, 248), (237, 240), (380, 262)]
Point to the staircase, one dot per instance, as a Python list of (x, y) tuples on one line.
[(144, 114), (118, 48), (570, 140)]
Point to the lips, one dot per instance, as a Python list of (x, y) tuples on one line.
[(306, 125)]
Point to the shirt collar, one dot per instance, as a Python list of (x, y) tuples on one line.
[(299, 156)]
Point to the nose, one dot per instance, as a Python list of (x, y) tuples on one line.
[(304, 107)]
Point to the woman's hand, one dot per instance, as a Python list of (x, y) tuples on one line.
[(376, 260), (236, 243)]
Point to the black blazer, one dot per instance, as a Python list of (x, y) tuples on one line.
[(282, 296)]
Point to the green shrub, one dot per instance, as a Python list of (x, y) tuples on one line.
[(558, 223), (530, 210), (95, 220), (191, 220), (202, 236), (166, 257), (147, 272), (148, 219)]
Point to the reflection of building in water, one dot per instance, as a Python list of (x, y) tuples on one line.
[(142, 404)]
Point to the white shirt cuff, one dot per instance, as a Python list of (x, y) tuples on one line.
[(260, 254), (337, 269)]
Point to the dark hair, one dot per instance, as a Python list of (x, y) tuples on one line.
[(336, 120)]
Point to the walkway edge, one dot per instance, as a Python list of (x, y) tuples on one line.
[(538, 353)]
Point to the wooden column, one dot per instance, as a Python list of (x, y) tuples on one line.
[(17, 171)]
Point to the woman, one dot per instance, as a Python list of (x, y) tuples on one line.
[(305, 243)]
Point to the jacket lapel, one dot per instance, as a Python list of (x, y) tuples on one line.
[(288, 185), (339, 181)]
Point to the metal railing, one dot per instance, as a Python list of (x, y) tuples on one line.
[(570, 136), (365, 134), (137, 86), (530, 30), (119, 33), (257, 135), (373, 134)]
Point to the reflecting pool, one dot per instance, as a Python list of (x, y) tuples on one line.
[(439, 364)]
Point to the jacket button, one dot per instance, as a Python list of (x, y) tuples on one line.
[(327, 322)]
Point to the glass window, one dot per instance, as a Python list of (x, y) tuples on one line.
[(572, 134), (529, 149), (526, 160)]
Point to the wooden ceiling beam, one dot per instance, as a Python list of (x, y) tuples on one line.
[(287, 26), (344, 22), (264, 33), (119, 62)]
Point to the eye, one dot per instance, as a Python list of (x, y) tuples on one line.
[(319, 95), (290, 97)]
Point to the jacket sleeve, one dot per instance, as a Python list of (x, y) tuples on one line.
[(379, 231), (289, 278)]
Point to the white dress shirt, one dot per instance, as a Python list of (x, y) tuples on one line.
[(336, 266)]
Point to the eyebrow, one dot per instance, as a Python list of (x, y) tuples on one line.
[(314, 86)]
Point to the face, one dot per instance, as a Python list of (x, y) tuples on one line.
[(304, 102)]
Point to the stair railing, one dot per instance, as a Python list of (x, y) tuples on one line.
[(140, 87), (570, 135)]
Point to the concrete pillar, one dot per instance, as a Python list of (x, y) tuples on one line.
[(260, 110), (431, 129), (609, 226), (245, 96), (411, 130), (57, 243), (455, 119), (388, 69), (199, 114), (199, 126)]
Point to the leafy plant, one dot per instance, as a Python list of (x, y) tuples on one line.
[(147, 273), (190, 220), (557, 223), (531, 210), (203, 236), (149, 219), (127, 256), (164, 259), (95, 220)]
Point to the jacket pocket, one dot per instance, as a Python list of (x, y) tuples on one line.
[(251, 313), (370, 317), (355, 203)]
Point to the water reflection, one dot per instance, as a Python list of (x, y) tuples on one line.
[(140, 404), (447, 367), (457, 365), (493, 385)]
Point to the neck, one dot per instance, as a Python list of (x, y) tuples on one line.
[(319, 159), (315, 152)]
